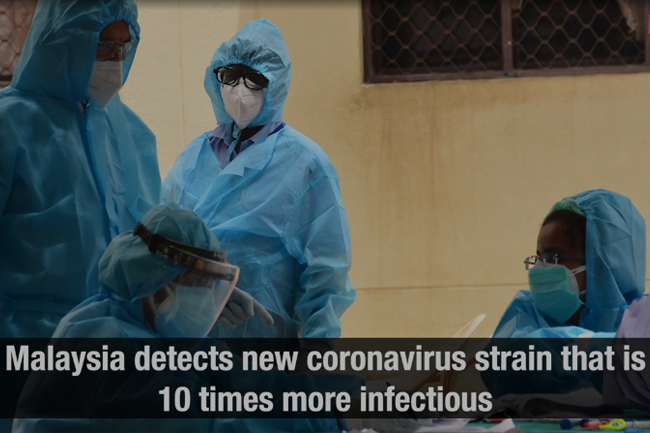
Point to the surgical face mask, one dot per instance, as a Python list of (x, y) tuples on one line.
[(555, 290), (242, 103), (105, 82), (187, 312)]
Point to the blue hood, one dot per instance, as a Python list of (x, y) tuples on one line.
[(59, 53), (129, 270), (258, 45), (615, 251)]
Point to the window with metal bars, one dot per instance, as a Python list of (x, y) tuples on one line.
[(15, 19), (417, 40)]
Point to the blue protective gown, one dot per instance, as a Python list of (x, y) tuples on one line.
[(615, 249), (71, 177), (129, 273), (276, 208), (615, 254)]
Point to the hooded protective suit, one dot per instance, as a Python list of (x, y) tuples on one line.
[(615, 255), (629, 386), (72, 175), (276, 208), (129, 272), (615, 249)]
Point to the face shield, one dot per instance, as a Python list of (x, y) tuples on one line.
[(193, 301)]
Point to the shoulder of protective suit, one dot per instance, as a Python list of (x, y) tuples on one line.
[(519, 318), (16, 104), (131, 116), (523, 296), (101, 317), (15, 112), (196, 144), (522, 301), (307, 150), (192, 150), (102, 327)]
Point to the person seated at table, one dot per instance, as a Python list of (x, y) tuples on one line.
[(589, 267)]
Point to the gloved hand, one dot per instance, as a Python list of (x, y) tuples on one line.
[(583, 341), (242, 306), (387, 424)]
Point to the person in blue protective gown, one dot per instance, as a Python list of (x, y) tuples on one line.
[(77, 166), (627, 385), (144, 295), (269, 193), (589, 267)]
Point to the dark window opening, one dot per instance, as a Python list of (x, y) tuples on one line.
[(15, 19), (413, 40)]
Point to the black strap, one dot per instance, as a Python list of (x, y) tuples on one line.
[(176, 251)]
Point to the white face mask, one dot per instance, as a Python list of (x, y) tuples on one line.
[(105, 82), (242, 103), (186, 312)]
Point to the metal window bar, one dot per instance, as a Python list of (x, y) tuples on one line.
[(411, 40), (15, 19)]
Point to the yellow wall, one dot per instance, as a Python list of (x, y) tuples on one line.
[(165, 86), (445, 183)]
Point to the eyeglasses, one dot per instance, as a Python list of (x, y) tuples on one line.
[(252, 80), (113, 50), (549, 259)]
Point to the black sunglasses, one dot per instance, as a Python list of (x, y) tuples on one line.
[(252, 79)]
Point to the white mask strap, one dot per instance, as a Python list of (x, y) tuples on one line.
[(577, 270)]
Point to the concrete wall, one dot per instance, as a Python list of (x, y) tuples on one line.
[(445, 183)]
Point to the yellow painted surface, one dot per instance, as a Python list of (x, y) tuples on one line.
[(445, 183), (165, 86)]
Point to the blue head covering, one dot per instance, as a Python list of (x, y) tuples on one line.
[(59, 53), (260, 46), (615, 250), (129, 270)]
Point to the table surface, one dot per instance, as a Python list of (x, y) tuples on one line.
[(545, 426)]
